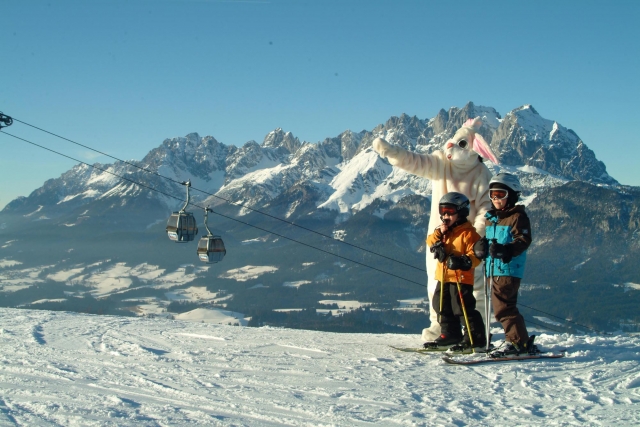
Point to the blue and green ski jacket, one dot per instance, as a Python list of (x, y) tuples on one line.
[(508, 227)]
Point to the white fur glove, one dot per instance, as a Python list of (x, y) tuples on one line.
[(384, 149)]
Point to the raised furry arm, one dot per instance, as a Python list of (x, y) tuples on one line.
[(425, 165)]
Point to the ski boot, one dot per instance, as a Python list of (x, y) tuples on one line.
[(464, 346), (443, 341), (517, 349)]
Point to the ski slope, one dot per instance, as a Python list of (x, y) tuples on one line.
[(69, 369)]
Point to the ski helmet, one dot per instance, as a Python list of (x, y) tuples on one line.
[(459, 200), (506, 180), (510, 183)]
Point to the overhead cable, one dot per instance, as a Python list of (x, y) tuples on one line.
[(222, 198), (217, 213), (562, 318)]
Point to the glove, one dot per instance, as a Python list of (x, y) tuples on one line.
[(384, 149), (481, 248), (438, 251), (459, 263), (504, 252)]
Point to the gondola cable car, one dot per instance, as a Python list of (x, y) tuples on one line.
[(181, 226), (210, 248)]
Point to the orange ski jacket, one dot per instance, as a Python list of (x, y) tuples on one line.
[(457, 241)]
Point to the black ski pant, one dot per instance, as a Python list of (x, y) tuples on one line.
[(452, 317), (504, 297)]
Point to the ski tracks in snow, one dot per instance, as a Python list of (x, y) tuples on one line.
[(79, 370)]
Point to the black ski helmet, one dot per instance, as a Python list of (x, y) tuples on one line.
[(459, 200)]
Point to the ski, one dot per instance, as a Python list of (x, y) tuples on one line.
[(423, 350), (462, 361), (420, 349)]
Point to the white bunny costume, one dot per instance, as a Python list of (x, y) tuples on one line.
[(455, 168)]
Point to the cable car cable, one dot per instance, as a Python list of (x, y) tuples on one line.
[(217, 213), (564, 319), (528, 321), (222, 198)]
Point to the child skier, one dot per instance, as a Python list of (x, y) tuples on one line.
[(452, 245), (508, 234)]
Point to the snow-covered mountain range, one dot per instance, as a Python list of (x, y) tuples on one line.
[(343, 173)]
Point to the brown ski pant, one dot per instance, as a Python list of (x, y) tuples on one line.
[(504, 297)]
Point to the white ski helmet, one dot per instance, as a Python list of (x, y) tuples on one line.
[(508, 180)]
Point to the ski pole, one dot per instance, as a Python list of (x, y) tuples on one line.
[(487, 304), (488, 291), (464, 312), (441, 294), (442, 286)]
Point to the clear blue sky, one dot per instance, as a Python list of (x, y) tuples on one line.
[(121, 76)]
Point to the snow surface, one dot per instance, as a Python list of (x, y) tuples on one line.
[(14, 280), (8, 242), (247, 272), (34, 212), (213, 316), (345, 304), (73, 369), (8, 263), (194, 293), (412, 304), (64, 275), (296, 284), (631, 285), (346, 191), (365, 178)]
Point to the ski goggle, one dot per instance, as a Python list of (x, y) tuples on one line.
[(498, 194), (447, 209)]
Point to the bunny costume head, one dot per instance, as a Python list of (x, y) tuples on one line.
[(467, 143)]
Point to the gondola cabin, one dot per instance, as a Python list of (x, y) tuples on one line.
[(211, 249), (182, 227)]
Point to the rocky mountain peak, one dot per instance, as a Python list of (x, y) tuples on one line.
[(281, 139), (439, 122), (350, 143), (458, 116), (344, 147), (189, 155), (411, 125), (403, 130), (526, 138), (182, 143), (446, 123)]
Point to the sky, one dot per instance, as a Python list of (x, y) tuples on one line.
[(122, 76)]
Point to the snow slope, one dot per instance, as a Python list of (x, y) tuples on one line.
[(80, 370)]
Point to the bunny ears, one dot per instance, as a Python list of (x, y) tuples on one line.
[(480, 146)]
